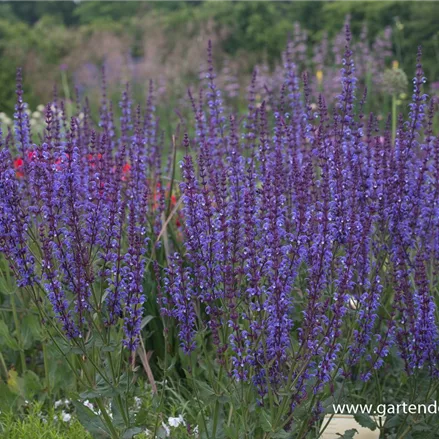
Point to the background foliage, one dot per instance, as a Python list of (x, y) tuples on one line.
[(42, 36)]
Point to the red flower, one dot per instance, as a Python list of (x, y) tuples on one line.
[(93, 158), (125, 171), (126, 168), (18, 165), (18, 162)]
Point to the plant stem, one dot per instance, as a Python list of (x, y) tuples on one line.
[(394, 117), (114, 433), (18, 329), (46, 369), (165, 372), (5, 369)]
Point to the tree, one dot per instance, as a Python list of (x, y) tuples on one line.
[(30, 11)]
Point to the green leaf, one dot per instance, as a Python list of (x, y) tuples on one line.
[(8, 398), (91, 421), (76, 350), (365, 421), (394, 421), (31, 384), (146, 320), (131, 432), (15, 384), (30, 330), (348, 434), (102, 389), (161, 433), (89, 394), (206, 392), (6, 338), (118, 420), (281, 435), (421, 428), (265, 421)]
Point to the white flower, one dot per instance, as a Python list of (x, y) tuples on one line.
[(353, 303), (137, 402), (166, 428), (175, 422), (66, 417), (36, 114), (58, 403), (40, 108), (42, 417), (89, 405), (196, 430), (147, 432)]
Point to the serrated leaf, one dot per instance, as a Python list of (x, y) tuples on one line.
[(365, 421), (348, 434), (91, 421), (6, 338), (31, 383), (118, 420), (265, 421), (206, 392), (392, 422)]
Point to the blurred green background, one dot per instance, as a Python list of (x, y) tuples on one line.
[(166, 40)]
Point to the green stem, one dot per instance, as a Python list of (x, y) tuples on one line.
[(3, 364), (114, 433), (394, 117), (165, 373), (66, 88), (215, 419), (118, 397), (229, 420), (46, 369), (198, 399), (18, 329)]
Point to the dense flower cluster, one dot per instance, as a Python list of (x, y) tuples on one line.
[(311, 239), (75, 210), (311, 230)]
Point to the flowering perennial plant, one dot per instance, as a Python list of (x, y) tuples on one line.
[(75, 211), (310, 258), (311, 243), (80, 213)]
